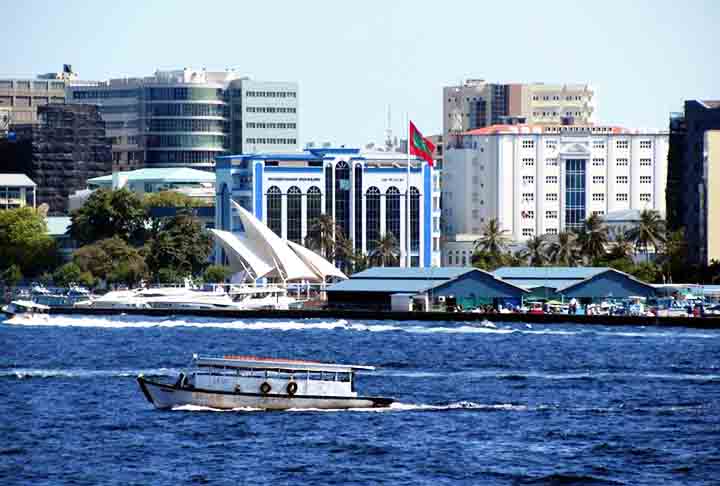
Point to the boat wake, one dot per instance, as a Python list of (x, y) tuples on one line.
[(147, 322), (395, 407), (30, 373)]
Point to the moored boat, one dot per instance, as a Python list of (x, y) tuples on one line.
[(24, 307), (233, 382)]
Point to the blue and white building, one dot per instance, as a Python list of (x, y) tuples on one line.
[(365, 192)]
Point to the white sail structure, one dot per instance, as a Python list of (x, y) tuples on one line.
[(261, 253)]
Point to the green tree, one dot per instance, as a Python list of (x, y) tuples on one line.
[(491, 261), (182, 244), (216, 274), (386, 251), (592, 238), (493, 240), (321, 236), (535, 252), (12, 275), (109, 213), (360, 261), (67, 274), (170, 199), (112, 260), (674, 257), (563, 250), (24, 241), (648, 232)]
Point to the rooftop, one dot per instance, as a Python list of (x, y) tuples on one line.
[(169, 175), (16, 180), (547, 129), (548, 273), (414, 273)]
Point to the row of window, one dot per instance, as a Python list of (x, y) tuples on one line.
[(22, 101), (597, 144), (186, 109), (551, 179), (187, 125), (271, 94), (86, 94), (270, 125), (219, 142), (36, 85), (557, 98), (186, 93), (539, 114), (271, 109), (272, 141), (181, 157)]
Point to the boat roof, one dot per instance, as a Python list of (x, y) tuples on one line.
[(256, 362)]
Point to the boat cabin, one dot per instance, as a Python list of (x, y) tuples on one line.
[(268, 376)]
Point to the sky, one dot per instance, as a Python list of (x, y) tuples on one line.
[(354, 59)]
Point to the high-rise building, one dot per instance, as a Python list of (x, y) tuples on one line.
[(544, 179), (60, 153), (692, 192), (187, 118), (20, 97), (364, 192), (477, 104)]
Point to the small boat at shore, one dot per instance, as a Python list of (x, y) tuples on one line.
[(232, 382)]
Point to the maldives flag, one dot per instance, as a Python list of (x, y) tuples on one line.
[(421, 146)]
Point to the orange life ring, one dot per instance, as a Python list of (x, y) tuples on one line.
[(265, 388), (292, 388)]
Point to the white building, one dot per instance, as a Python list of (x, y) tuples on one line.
[(543, 179), (365, 192)]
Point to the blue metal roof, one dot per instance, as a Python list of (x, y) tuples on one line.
[(385, 286), (535, 283), (414, 273), (547, 273)]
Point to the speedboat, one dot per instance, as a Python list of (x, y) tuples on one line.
[(162, 298), (232, 382), (25, 308)]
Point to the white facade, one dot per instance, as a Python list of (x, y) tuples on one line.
[(364, 192), (545, 179)]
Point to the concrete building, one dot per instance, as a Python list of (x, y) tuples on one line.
[(365, 192), (20, 97), (187, 117), (66, 148), (191, 182), (544, 179), (16, 191), (477, 103), (692, 192)]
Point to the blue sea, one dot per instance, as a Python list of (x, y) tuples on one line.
[(512, 405)]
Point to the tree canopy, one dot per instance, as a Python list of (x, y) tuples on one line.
[(112, 260), (109, 213), (182, 245), (24, 241)]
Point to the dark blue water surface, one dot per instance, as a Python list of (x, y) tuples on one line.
[(550, 404)]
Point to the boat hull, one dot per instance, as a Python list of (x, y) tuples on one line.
[(164, 396)]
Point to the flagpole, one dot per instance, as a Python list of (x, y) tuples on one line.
[(407, 194)]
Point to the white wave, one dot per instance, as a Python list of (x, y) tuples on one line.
[(200, 408), (26, 373), (395, 407)]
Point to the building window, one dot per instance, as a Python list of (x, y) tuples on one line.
[(621, 196), (551, 144), (645, 162), (372, 217), (551, 179), (528, 232), (342, 197), (528, 180), (528, 197), (294, 215), (645, 196), (551, 162), (551, 196), (551, 214), (622, 179), (645, 179), (358, 207), (598, 162), (621, 162), (527, 214), (392, 212), (645, 144), (414, 219), (552, 231), (574, 194), (598, 144), (598, 213), (621, 144), (314, 205), (528, 163), (274, 210), (328, 190), (598, 197), (528, 144)]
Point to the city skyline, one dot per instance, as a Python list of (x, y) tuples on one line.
[(352, 61)]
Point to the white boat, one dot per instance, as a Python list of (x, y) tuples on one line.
[(233, 382), (24, 307)]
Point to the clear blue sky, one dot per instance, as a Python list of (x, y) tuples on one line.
[(352, 59)]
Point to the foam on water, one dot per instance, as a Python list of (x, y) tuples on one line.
[(27, 373), (395, 407)]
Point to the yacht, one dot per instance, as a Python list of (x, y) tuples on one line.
[(232, 382), (26, 308)]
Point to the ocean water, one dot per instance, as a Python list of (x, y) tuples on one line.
[(515, 404)]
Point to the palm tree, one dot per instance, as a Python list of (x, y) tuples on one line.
[(563, 251), (343, 252), (360, 261), (534, 252), (386, 250), (649, 231), (321, 235), (593, 237), (493, 240), (622, 248)]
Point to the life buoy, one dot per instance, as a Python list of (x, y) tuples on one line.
[(265, 388), (292, 388)]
